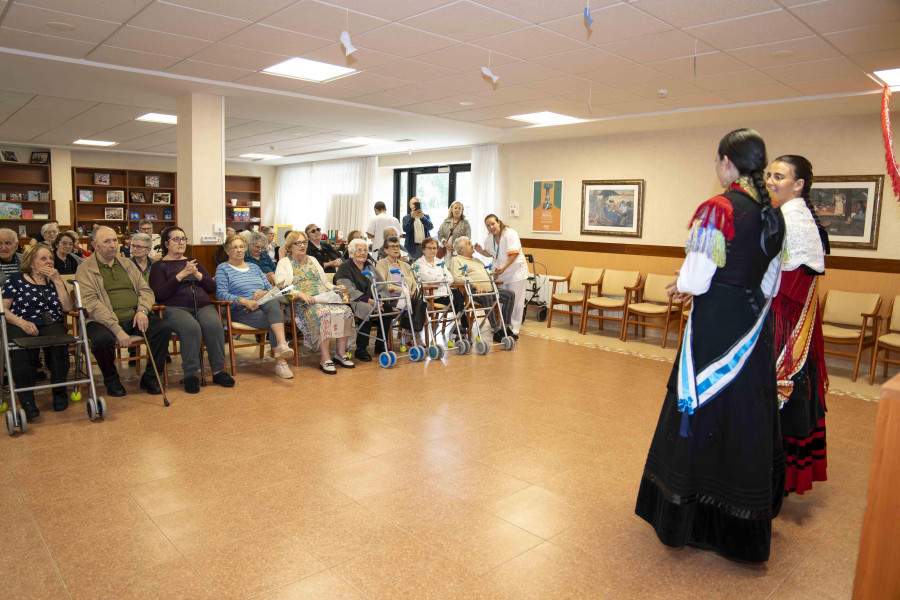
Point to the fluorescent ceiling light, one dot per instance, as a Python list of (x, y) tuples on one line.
[(367, 141), (158, 118), (889, 76), (261, 156), (546, 118), (94, 143), (308, 70)]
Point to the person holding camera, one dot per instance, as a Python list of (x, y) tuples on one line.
[(417, 226)]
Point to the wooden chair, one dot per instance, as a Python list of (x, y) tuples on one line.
[(888, 340), (849, 318), (612, 283), (233, 328), (650, 300), (578, 277)]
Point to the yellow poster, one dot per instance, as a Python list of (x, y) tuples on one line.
[(546, 207)]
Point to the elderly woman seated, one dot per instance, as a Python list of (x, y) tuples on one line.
[(257, 255), (359, 289), (243, 285), (64, 259), (432, 271), (381, 254), (480, 283), (391, 268), (318, 317)]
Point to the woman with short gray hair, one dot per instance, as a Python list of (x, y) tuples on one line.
[(49, 231), (256, 254), (140, 253)]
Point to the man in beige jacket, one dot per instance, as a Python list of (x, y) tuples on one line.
[(118, 302)]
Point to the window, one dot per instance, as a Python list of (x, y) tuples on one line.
[(436, 188)]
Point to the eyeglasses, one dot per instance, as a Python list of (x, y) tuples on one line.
[(394, 247), (316, 230), (300, 244), (430, 248), (178, 240), (135, 247)]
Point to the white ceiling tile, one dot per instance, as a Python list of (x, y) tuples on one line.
[(132, 58), (88, 124), (603, 96), (584, 60), (563, 86), (512, 93), (421, 92), (329, 90), (202, 70), (617, 22), (47, 44), (658, 46), (393, 10), (252, 128), (685, 13), (118, 11), (867, 39), (501, 123), (469, 115), (837, 15), (634, 75), (187, 22), (842, 85), (465, 21), (334, 55), (525, 72), (367, 82), (35, 20), (130, 130), (465, 57), (322, 20), (383, 100), (278, 41), (696, 101), (467, 82), (499, 111), (712, 63), (775, 26), (155, 42), (530, 43), (41, 114), (540, 11), (239, 9), (830, 68), (877, 61), (674, 89), (639, 107), (10, 102), (563, 106), (802, 50), (412, 70), (733, 81), (166, 136), (170, 148), (426, 108), (454, 101), (401, 41), (273, 82), (234, 122), (761, 94), (239, 58)]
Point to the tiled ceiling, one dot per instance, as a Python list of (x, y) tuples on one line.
[(423, 57)]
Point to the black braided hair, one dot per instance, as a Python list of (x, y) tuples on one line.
[(746, 150)]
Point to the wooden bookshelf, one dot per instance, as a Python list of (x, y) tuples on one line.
[(97, 183), (17, 179), (243, 192)]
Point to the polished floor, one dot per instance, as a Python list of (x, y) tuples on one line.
[(506, 476)]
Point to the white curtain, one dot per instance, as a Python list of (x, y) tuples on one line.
[(333, 195), (485, 187)]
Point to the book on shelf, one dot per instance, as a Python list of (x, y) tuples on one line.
[(41, 216), (167, 214), (27, 214), (45, 196), (2, 197), (34, 196), (22, 231), (14, 197), (10, 210)]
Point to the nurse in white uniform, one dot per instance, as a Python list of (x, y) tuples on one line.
[(504, 249)]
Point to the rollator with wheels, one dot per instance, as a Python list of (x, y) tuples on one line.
[(454, 338), (382, 296), (79, 374), (488, 297)]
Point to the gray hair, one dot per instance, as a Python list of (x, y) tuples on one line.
[(386, 229), (354, 244), (97, 229), (391, 239), (48, 226), (142, 237), (459, 243), (143, 222), (6, 231), (256, 237), (267, 229)]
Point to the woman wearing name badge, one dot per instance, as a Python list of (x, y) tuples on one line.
[(504, 249), (714, 476), (801, 371)]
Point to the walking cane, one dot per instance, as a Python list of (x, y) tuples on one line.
[(193, 280), (153, 363)]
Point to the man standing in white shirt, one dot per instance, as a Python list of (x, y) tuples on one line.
[(375, 228)]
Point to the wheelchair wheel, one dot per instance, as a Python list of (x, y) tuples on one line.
[(101, 407), (10, 423), (91, 409), (463, 346), (482, 347), (417, 353), (23, 420), (508, 343), (434, 352), (542, 314), (384, 359), (442, 352)]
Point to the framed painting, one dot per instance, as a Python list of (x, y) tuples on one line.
[(849, 208), (612, 207)]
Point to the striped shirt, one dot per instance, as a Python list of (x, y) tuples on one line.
[(232, 283)]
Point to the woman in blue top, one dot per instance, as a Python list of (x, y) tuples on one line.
[(243, 285), (34, 301)]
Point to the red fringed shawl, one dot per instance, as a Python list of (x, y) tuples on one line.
[(717, 212)]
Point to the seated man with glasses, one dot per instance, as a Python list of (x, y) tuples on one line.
[(10, 257), (118, 302), (257, 255), (323, 252)]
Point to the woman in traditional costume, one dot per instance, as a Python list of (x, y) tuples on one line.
[(800, 367), (714, 476)]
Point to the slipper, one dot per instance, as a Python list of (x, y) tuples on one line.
[(328, 368)]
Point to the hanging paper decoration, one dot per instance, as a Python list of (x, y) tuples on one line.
[(888, 142), (587, 16)]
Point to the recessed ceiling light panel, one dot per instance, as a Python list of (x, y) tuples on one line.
[(889, 76), (153, 117), (308, 70), (60, 26), (260, 156), (94, 143), (546, 118)]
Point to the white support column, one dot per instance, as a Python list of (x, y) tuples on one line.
[(201, 164)]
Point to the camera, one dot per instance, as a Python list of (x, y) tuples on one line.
[(417, 206)]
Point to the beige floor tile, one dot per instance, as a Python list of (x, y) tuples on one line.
[(211, 524), (423, 460), (58, 457), (524, 462), (367, 478), (67, 485), (374, 438), (536, 510), (419, 508), (324, 585), (86, 515), (171, 494), (478, 484), (254, 565), (295, 499), (32, 577), (175, 579)]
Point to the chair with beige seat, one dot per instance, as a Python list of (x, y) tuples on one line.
[(849, 318), (887, 339), (576, 281), (611, 283), (650, 299)]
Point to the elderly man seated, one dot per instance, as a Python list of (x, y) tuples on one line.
[(10, 258), (118, 302), (480, 283)]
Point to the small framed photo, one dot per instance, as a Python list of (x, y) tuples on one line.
[(134, 215), (168, 215), (115, 197), (40, 158), (162, 198), (114, 213), (151, 180), (85, 195), (138, 197), (849, 208), (612, 207), (22, 231), (101, 178), (150, 216), (9, 156)]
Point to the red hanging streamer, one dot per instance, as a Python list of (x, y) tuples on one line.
[(888, 142)]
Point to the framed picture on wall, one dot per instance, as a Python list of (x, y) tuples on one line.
[(546, 206), (138, 197), (85, 195), (9, 156), (101, 178), (114, 213), (849, 208), (115, 196), (612, 207), (40, 158), (162, 198)]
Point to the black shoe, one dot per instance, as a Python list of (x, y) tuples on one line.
[(149, 383), (114, 386), (132, 363), (363, 355), (498, 336), (224, 379), (509, 333), (31, 409), (60, 400), (40, 376), (191, 384)]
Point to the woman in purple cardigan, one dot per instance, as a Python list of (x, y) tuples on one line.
[(181, 284)]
